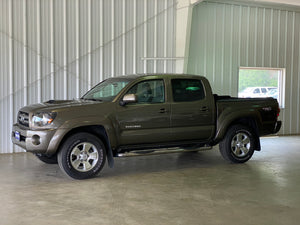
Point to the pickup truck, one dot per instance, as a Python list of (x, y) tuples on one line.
[(140, 115)]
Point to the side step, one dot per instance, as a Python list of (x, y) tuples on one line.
[(161, 151)]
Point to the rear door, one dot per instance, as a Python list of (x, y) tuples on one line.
[(191, 110), (147, 120)]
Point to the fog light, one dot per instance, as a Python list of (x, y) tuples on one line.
[(35, 139)]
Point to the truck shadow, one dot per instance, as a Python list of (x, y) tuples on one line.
[(161, 163)]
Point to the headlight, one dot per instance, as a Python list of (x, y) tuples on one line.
[(43, 118)]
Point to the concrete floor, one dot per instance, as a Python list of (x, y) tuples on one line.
[(184, 188)]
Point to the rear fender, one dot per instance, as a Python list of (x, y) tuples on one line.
[(249, 118)]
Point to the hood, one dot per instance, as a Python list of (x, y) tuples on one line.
[(56, 105)]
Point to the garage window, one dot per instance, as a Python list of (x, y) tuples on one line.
[(262, 82)]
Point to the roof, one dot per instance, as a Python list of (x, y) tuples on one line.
[(135, 76)]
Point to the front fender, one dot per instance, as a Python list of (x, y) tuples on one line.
[(76, 123)]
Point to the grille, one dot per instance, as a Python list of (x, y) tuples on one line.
[(23, 118)]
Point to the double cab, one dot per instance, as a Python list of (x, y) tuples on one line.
[(142, 114)]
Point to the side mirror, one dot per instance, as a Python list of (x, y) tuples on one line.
[(128, 98)]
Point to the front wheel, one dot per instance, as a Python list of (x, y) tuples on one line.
[(82, 156), (238, 144)]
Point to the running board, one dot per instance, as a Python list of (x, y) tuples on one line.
[(161, 151)]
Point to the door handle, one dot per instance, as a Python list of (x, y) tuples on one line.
[(163, 110), (204, 109)]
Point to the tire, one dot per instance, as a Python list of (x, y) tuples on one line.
[(82, 156), (238, 144), (47, 159)]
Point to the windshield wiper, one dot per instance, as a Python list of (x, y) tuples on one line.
[(92, 99)]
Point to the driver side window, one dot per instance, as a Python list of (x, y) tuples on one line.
[(150, 91)]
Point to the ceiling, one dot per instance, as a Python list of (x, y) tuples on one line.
[(285, 2)]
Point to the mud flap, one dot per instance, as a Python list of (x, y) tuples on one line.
[(110, 157)]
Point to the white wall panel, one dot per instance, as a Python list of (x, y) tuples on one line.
[(226, 36), (58, 49)]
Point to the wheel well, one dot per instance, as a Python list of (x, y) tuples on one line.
[(251, 123), (248, 121), (98, 131)]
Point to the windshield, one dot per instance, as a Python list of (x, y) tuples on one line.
[(106, 90)]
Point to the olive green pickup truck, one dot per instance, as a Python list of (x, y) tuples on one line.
[(139, 115)]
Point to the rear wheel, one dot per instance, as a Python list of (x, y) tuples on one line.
[(82, 156), (238, 144)]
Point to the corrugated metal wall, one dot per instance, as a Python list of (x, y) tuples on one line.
[(58, 49), (225, 36)]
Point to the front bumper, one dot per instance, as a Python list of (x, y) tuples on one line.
[(32, 140)]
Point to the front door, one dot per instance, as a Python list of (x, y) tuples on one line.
[(147, 120)]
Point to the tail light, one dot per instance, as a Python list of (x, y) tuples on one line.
[(278, 112)]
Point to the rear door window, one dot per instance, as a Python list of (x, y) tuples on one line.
[(187, 90), (264, 90), (256, 91)]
